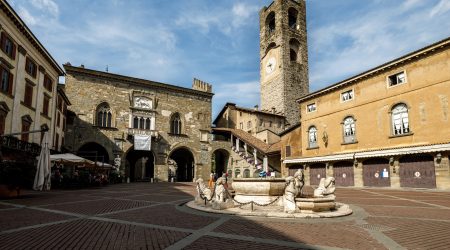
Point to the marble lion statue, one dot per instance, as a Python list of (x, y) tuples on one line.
[(294, 185), (326, 187), (202, 189), (220, 192), (220, 200)]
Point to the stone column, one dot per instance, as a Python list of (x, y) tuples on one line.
[(152, 123), (329, 169), (358, 174), (237, 145), (307, 175), (255, 155), (245, 149), (232, 142), (18, 92), (265, 163), (395, 177)]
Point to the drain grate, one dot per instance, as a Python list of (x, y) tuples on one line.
[(376, 227)]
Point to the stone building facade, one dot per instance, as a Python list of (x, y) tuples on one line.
[(28, 87), (264, 125), (386, 127), (283, 57), (111, 112)]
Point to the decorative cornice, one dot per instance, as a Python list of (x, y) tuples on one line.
[(413, 56), (5, 62), (134, 81), (22, 50), (42, 69)]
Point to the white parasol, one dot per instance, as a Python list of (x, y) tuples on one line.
[(42, 179)]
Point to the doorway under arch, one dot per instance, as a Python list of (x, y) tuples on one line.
[(185, 164), (220, 161), (94, 152), (141, 165)]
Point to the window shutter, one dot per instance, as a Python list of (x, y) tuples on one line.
[(14, 48), (10, 85), (2, 40)]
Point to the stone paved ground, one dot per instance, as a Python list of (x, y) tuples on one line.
[(151, 216)]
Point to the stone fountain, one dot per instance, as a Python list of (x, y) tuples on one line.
[(273, 197)]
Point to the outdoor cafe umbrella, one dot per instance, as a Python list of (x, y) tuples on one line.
[(42, 178)]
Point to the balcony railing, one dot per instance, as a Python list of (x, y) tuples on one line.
[(136, 131)]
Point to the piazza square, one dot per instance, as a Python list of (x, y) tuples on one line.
[(332, 133)]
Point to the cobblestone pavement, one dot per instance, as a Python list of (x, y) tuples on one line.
[(152, 216)]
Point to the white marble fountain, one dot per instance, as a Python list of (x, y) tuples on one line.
[(272, 197)]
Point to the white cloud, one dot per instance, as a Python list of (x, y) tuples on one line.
[(244, 94), (442, 7), (46, 5), (350, 46), (223, 19), (26, 16)]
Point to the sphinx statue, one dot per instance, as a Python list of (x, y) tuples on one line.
[(326, 188), (202, 192), (294, 186)]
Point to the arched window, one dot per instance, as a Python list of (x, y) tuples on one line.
[(237, 172), (175, 124), (400, 120), (140, 122), (270, 22), (349, 129), (104, 115), (294, 47), (312, 137), (292, 15)]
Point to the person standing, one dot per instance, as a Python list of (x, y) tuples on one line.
[(211, 180)]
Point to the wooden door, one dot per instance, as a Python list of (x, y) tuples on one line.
[(417, 171), (343, 174), (376, 173)]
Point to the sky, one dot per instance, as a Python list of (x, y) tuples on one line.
[(218, 41)]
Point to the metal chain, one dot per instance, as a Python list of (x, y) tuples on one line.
[(202, 195)]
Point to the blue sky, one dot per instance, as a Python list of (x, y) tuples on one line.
[(218, 41)]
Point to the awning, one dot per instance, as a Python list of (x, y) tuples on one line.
[(373, 153), (321, 158), (70, 158)]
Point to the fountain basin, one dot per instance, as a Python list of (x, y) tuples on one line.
[(313, 204), (259, 190)]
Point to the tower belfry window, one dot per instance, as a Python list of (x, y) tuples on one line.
[(294, 47), (270, 22), (292, 16)]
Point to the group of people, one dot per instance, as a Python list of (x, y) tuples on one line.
[(213, 178)]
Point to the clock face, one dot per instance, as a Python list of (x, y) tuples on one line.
[(270, 65)]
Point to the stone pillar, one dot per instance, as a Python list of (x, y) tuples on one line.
[(265, 163), (329, 169), (358, 174), (245, 149), (307, 175), (152, 123), (255, 155), (232, 142), (237, 145), (19, 92), (442, 169), (394, 171)]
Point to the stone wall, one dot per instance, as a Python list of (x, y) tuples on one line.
[(87, 89)]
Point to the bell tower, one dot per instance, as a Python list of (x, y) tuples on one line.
[(283, 57)]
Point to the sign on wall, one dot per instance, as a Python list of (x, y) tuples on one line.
[(142, 142)]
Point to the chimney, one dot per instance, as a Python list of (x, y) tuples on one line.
[(273, 110), (256, 108)]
